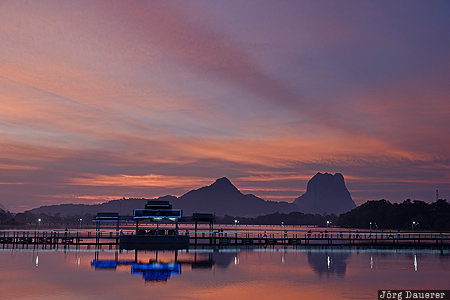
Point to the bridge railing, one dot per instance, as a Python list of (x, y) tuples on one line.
[(236, 233)]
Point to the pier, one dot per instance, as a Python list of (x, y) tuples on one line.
[(229, 237)]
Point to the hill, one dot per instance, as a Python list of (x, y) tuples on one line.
[(325, 194), (221, 198)]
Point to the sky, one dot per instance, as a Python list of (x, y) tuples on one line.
[(101, 100)]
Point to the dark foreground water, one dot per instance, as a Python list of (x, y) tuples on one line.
[(254, 273)]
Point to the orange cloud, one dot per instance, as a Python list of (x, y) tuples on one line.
[(149, 180), (110, 96)]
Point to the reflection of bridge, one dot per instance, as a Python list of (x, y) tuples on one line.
[(153, 270)]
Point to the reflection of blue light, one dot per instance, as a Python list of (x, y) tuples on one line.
[(109, 264), (156, 271), (104, 264), (150, 272)]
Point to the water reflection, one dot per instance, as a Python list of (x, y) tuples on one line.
[(323, 262), (212, 273), (328, 262), (224, 259), (36, 257), (155, 269), (415, 263)]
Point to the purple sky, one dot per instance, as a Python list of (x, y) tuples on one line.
[(105, 99)]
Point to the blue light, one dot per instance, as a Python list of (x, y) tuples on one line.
[(104, 264), (156, 271)]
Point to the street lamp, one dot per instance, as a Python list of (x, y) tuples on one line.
[(80, 222), (414, 224), (370, 225), (328, 223)]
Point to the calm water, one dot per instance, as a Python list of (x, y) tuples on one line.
[(250, 273)]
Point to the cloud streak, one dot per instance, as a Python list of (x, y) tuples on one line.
[(101, 98)]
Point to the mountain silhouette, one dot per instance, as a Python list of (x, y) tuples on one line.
[(122, 206), (221, 198), (325, 194)]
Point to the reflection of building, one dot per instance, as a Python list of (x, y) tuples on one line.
[(151, 271), (156, 270), (328, 262)]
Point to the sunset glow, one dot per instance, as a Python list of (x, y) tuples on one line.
[(108, 99)]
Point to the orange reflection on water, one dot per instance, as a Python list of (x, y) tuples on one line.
[(272, 273)]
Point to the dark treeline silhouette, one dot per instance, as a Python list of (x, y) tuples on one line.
[(382, 214), (408, 215), (293, 218), (7, 218), (27, 219)]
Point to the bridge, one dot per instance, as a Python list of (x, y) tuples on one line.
[(234, 237)]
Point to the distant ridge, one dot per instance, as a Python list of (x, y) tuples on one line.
[(325, 194), (220, 198), (122, 206), (223, 198)]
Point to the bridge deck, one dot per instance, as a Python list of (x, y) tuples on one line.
[(61, 237)]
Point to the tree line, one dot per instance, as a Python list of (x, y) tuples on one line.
[(29, 219), (380, 214), (408, 215), (293, 218)]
